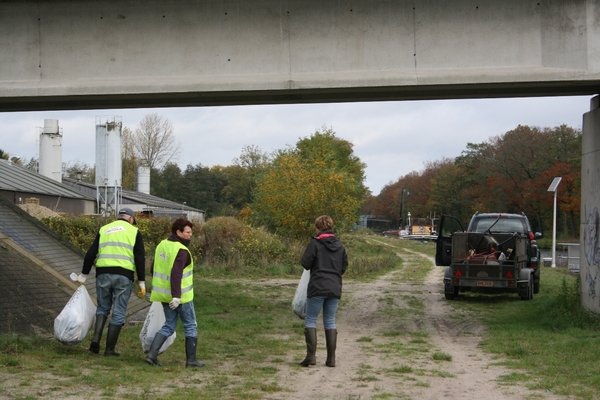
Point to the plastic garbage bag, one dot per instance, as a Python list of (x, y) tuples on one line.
[(155, 319), (76, 318), (299, 302)]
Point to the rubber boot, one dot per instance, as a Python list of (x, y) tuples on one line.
[(111, 340), (152, 356), (331, 340), (100, 321), (190, 352), (310, 334)]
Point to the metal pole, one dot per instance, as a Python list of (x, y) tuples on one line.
[(554, 232), (401, 209)]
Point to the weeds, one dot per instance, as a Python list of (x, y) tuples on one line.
[(440, 356)]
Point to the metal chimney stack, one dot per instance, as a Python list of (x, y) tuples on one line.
[(143, 179), (50, 162)]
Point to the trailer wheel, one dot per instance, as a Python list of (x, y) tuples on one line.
[(529, 295), (451, 296)]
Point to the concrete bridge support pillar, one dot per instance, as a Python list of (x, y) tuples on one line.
[(589, 259)]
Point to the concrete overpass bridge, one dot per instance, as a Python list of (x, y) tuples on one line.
[(83, 54)]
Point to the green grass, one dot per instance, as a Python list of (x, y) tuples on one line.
[(550, 342), (248, 334), (239, 324)]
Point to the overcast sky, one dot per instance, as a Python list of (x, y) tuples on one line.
[(392, 138)]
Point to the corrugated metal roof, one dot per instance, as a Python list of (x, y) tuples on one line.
[(16, 178), (131, 196)]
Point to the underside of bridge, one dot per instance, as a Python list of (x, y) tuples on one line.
[(81, 54), (59, 55)]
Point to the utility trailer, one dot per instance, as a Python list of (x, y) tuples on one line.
[(485, 262)]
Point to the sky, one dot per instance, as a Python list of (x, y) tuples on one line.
[(392, 138)]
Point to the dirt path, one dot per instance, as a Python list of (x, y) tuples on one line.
[(388, 331)]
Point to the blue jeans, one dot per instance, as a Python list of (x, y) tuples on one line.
[(186, 313), (113, 289), (314, 306)]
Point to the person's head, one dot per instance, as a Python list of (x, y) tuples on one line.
[(323, 223), (127, 214), (182, 227)]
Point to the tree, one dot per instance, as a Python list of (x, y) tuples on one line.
[(129, 161), (169, 183), (203, 188), (31, 164), (155, 142), (241, 177), (76, 169), (320, 176)]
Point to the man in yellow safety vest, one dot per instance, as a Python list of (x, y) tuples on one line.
[(117, 252), (173, 286)]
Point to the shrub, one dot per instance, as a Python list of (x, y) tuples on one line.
[(81, 230), (229, 243)]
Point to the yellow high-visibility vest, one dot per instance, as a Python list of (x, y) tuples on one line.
[(164, 257), (116, 245)]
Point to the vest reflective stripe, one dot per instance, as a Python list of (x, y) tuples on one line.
[(116, 257), (161, 276), (168, 278), (168, 291), (164, 257), (115, 248), (106, 244)]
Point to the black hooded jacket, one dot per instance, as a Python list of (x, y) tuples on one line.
[(326, 258)]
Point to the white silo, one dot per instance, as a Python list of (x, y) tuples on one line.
[(50, 162), (108, 163), (143, 179)]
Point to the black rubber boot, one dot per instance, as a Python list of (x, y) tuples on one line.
[(310, 334), (152, 356), (111, 340), (100, 321), (331, 340), (190, 352)]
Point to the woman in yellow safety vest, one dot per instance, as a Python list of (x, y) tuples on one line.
[(173, 286)]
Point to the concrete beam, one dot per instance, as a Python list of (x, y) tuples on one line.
[(106, 54)]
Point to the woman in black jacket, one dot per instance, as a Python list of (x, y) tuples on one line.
[(326, 258)]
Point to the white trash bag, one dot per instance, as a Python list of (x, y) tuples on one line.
[(299, 302), (155, 319), (76, 319)]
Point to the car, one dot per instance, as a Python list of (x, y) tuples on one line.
[(511, 223)]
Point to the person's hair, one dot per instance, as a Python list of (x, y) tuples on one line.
[(324, 223), (179, 224)]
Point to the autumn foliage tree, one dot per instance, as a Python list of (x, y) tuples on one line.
[(507, 173), (321, 175)]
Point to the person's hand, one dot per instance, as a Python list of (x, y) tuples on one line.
[(81, 278), (142, 291), (174, 303)]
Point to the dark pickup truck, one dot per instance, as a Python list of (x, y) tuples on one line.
[(497, 253)]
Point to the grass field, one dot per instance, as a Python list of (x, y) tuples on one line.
[(247, 332)]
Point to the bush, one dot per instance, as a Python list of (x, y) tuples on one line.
[(228, 243), (82, 230)]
